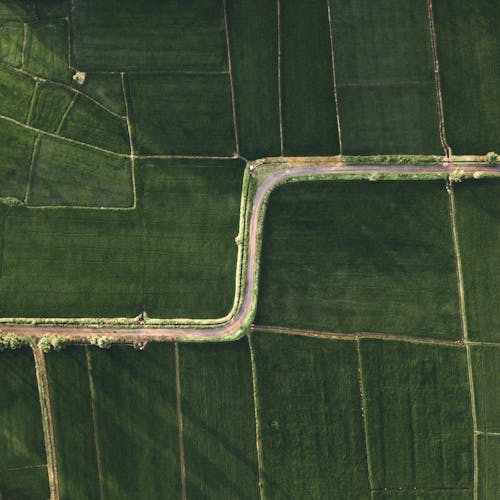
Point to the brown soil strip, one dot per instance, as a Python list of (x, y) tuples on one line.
[(34, 151), (233, 101), (23, 50), (48, 426), (363, 406), (127, 116), (353, 336), (330, 26), (66, 113), (179, 423), (94, 423), (258, 435), (280, 105), (437, 79)]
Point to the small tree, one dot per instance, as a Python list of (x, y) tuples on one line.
[(101, 342), (51, 342), (12, 341), (491, 158), (457, 175)]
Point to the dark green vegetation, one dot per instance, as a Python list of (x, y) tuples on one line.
[(136, 421), (309, 409), (191, 216), (22, 451), (446, 494), (87, 122), (50, 104), (66, 174), (15, 150), (187, 114), (11, 43), (489, 466), (174, 256), (478, 216), (16, 92), (385, 77), (253, 35), (468, 42), (218, 421), (354, 256), (71, 402), (309, 116), (418, 416), (148, 35), (485, 363)]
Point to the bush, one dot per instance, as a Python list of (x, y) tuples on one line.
[(101, 342), (491, 158), (51, 342), (12, 341), (457, 175), (11, 202)]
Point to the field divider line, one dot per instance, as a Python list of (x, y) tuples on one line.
[(487, 433), (280, 99), (258, 432), (131, 142), (335, 93), (437, 80), (364, 405), (354, 336), (182, 460), (63, 85), (68, 25), (94, 422), (47, 422), (23, 50), (67, 139), (29, 115), (26, 467), (465, 332), (69, 107), (34, 151), (231, 83)]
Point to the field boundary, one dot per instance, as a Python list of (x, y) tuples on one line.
[(32, 102), (34, 151), (437, 80), (69, 107), (280, 98), (265, 175), (258, 433), (94, 423), (335, 94), (182, 457), (47, 422)]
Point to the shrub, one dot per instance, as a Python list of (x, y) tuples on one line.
[(11, 201), (12, 341), (457, 175), (51, 342), (491, 158), (101, 342)]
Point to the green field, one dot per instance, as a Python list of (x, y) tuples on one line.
[(385, 79), (309, 116), (218, 421), (359, 256), (68, 378), (23, 470), (309, 408), (478, 215), (137, 438), (418, 416), (485, 362), (468, 43), (148, 36), (489, 467)]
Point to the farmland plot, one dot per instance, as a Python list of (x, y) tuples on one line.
[(309, 409), (489, 466), (478, 215), (418, 415), (385, 77), (468, 43), (354, 256), (135, 408), (218, 421), (23, 469)]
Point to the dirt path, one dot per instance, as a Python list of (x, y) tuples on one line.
[(47, 422), (235, 326)]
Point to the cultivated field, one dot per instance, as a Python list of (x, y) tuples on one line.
[(147, 179)]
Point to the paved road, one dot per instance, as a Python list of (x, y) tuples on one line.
[(234, 327)]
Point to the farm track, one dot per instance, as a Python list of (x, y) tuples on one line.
[(241, 320)]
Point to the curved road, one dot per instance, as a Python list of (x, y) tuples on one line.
[(243, 317)]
